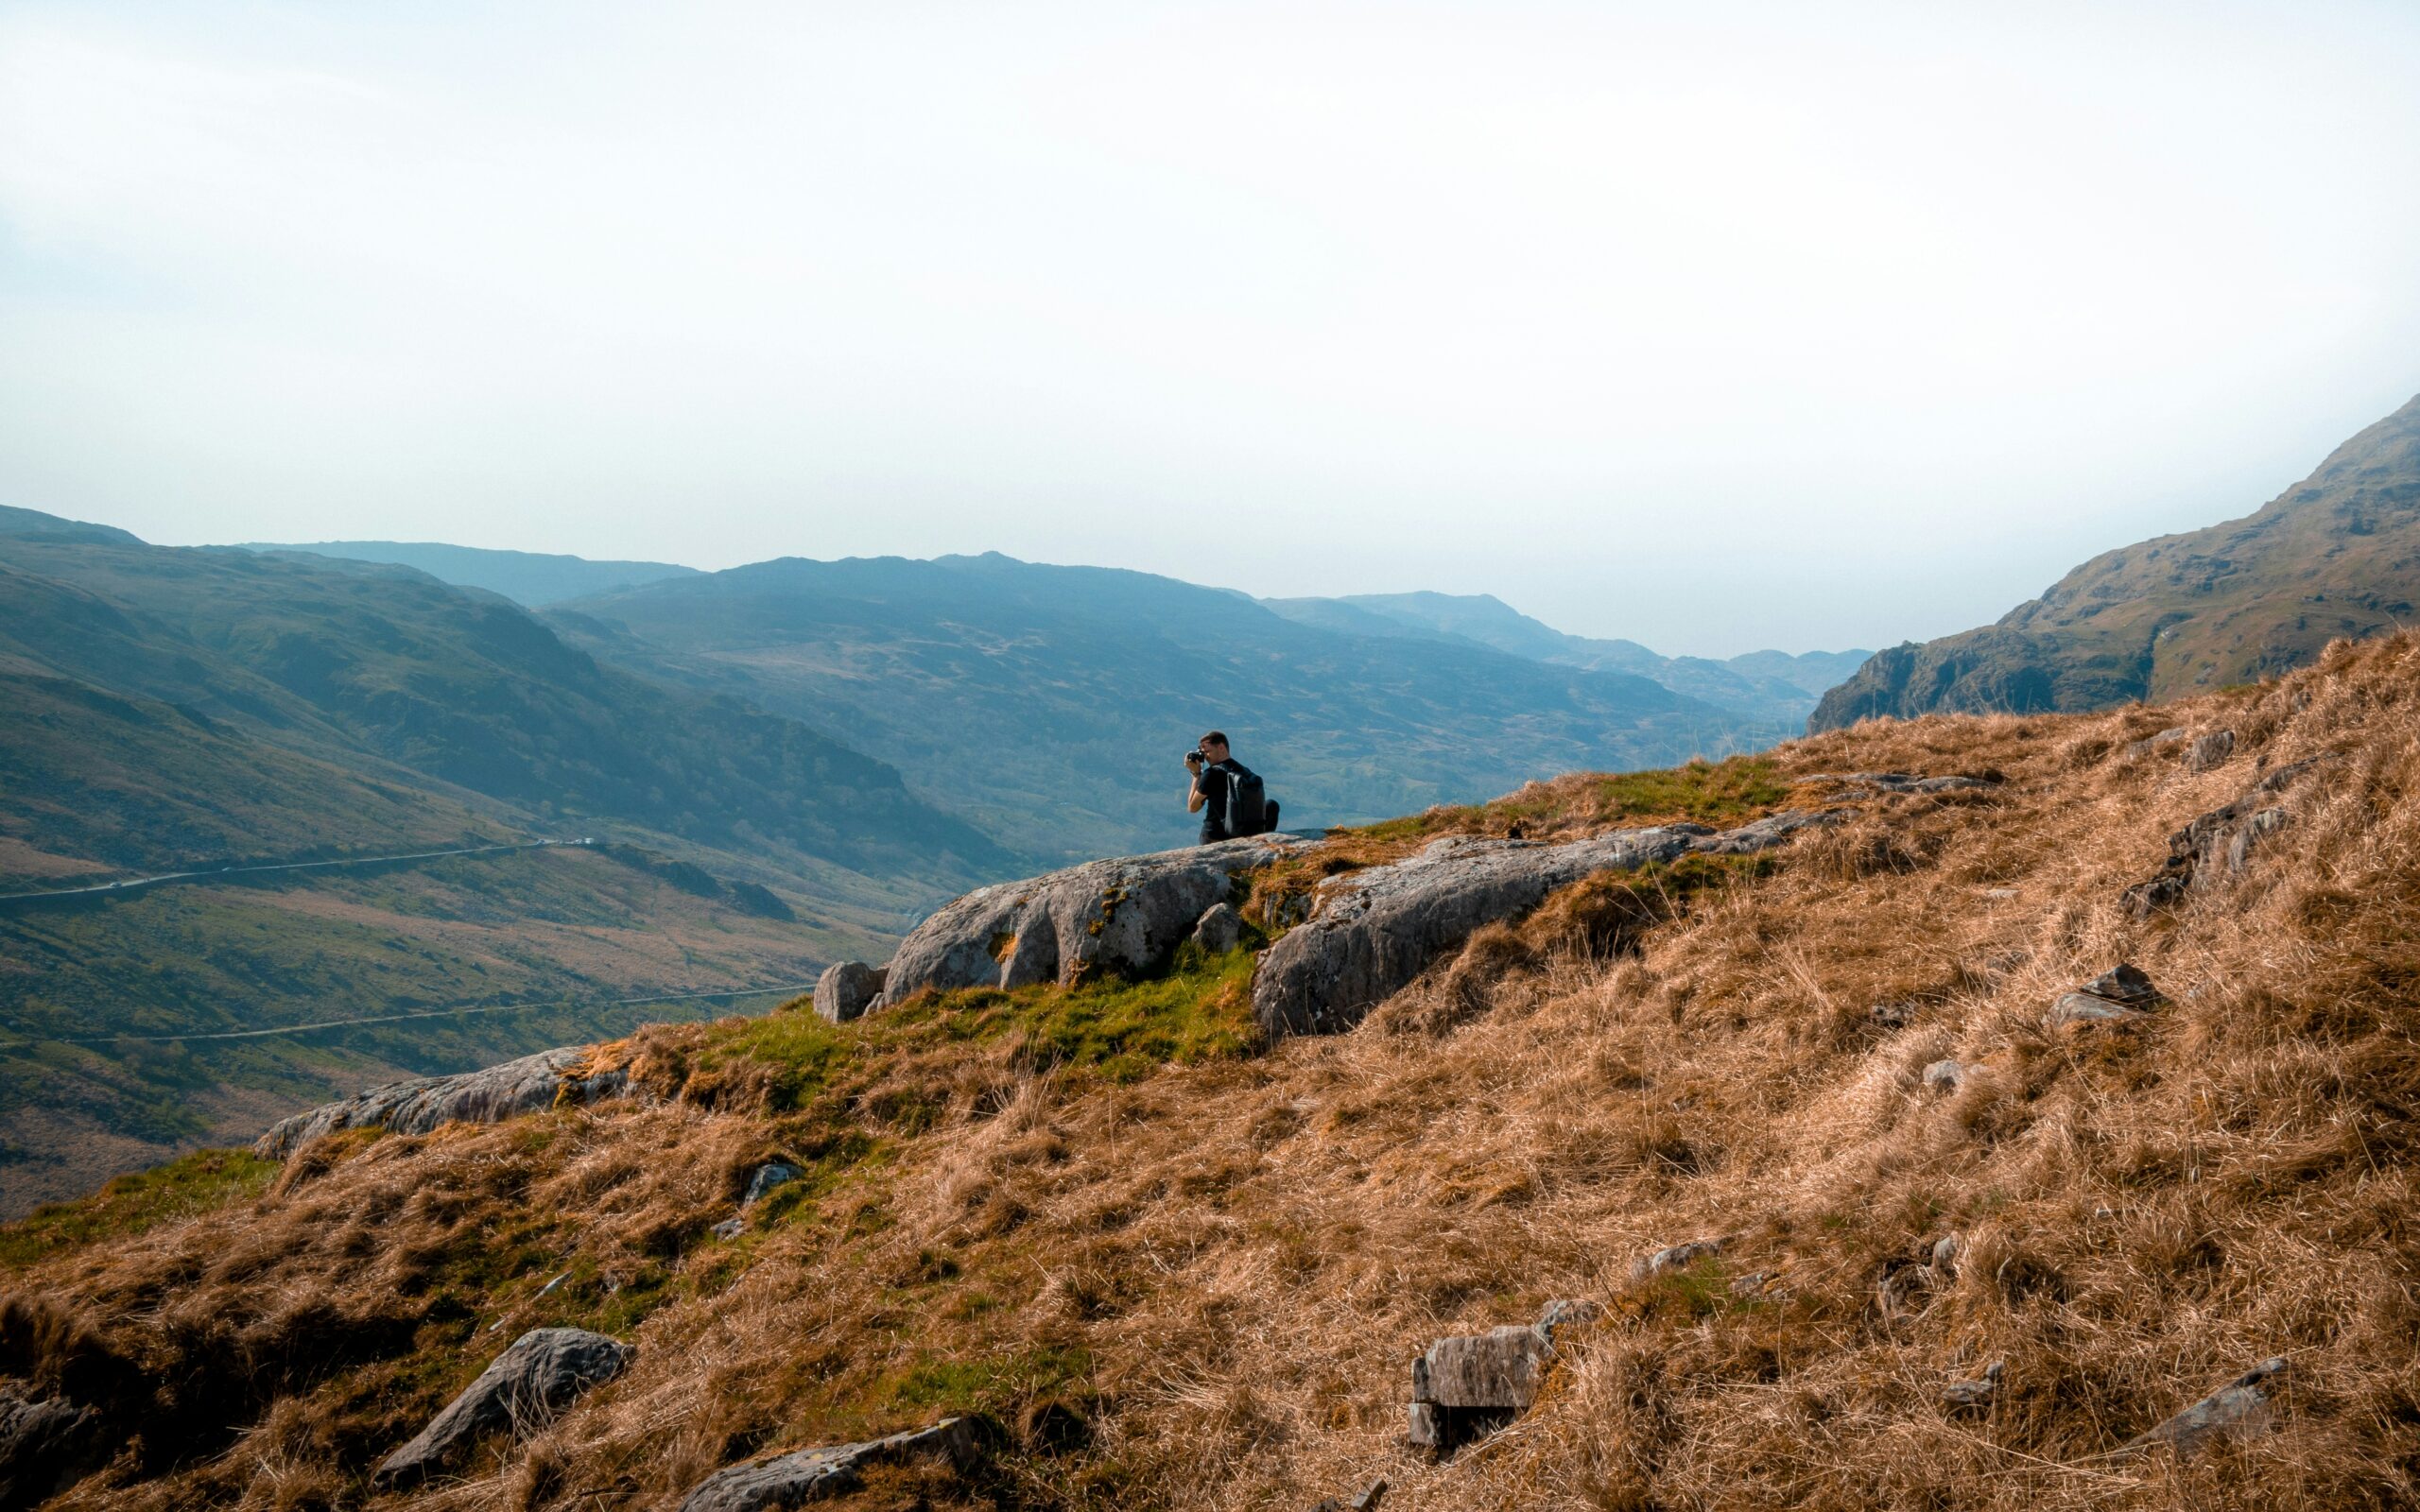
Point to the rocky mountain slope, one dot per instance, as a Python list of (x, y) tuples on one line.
[(1769, 685), (1050, 704), (171, 710), (2336, 555), (2032, 1125)]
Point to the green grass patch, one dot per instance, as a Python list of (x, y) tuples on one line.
[(1122, 1030), (1721, 794), (127, 1205)]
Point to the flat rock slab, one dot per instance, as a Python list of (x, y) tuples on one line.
[(2240, 1409), (1371, 931), (1129, 913), (1498, 1368), (530, 1085), (811, 1474), (540, 1375)]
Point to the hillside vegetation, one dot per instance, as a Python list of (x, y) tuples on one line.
[(165, 709), (1180, 1269), (1051, 705), (2336, 555)]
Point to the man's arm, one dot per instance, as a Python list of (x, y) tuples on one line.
[(1193, 797)]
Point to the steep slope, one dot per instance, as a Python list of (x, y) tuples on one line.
[(530, 579), (1955, 1253), (168, 711), (1050, 704), (2338, 553), (1764, 685)]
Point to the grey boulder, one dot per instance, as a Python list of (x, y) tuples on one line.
[(1370, 932), (769, 1177), (846, 989), (2240, 1409), (46, 1447), (1129, 914), (811, 1474), (531, 1084), (2119, 995), (2210, 750), (542, 1373)]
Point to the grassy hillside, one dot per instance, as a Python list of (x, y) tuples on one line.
[(1051, 705), (2336, 555), (1184, 1270)]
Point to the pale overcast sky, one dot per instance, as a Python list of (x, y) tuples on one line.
[(1711, 326)]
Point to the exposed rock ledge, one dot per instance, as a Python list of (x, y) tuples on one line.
[(1129, 912), (1371, 931), (530, 1085)]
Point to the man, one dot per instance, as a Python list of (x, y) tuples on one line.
[(1214, 773)]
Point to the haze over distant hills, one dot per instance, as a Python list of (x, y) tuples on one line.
[(530, 579), (2336, 555), (1761, 684)]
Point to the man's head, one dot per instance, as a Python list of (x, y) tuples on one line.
[(1213, 747)]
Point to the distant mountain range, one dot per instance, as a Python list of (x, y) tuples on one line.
[(2336, 555), (532, 580), (1050, 704), (1766, 685)]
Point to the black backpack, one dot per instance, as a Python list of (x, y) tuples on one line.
[(1249, 811)]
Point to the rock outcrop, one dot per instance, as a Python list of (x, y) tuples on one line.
[(2119, 995), (2217, 845), (1129, 914), (769, 1177), (1370, 932), (1469, 1385), (532, 1084), (846, 989), (811, 1474), (544, 1371), (46, 1446)]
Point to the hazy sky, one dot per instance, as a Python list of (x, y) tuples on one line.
[(1714, 327)]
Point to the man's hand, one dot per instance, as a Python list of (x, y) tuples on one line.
[(1193, 761)]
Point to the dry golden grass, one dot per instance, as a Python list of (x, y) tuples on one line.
[(1202, 1289)]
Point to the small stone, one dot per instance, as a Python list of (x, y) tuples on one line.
[(1219, 930), (806, 1475), (1755, 1284), (729, 1227), (537, 1375), (1561, 1314), (2123, 985), (1975, 1393), (1944, 1076), (1946, 1252), (1367, 1502), (1679, 1257), (2082, 1008), (1893, 1015), (769, 1176), (2240, 1409), (2210, 750), (846, 989), (2159, 742)]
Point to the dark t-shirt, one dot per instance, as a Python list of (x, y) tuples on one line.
[(1213, 783)]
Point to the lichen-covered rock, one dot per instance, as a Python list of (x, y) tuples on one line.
[(1372, 931), (46, 1447), (806, 1475), (846, 989), (1675, 1257), (1129, 913), (1471, 1384), (543, 1372), (528, 1085), (2240, 1409)]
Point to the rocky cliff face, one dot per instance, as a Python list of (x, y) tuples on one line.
[(2336, 555)]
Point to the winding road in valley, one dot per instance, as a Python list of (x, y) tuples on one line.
[(133, 885)]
